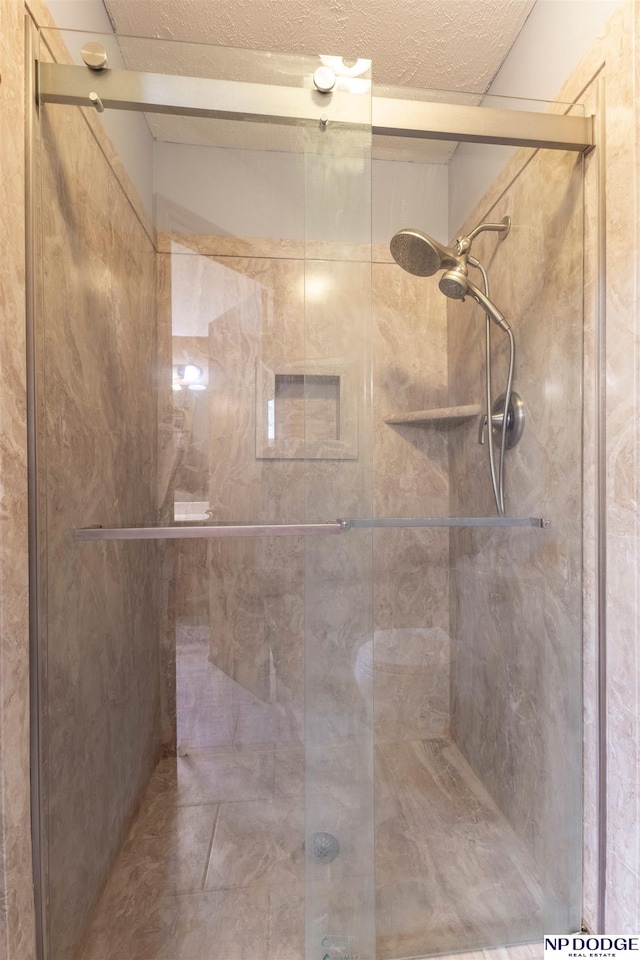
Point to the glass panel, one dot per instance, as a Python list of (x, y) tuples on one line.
[(477, 644), (516, 606), (339, 834), (247, 348), (222, 348)]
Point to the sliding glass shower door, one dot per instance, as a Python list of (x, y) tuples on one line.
[(206, 362), (262, 499)]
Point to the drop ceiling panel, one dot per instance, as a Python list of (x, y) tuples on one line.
[(444, 44), (450, 45)]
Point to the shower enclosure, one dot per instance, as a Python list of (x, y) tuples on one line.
[(300, 692)]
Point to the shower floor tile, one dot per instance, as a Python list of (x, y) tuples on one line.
[(213, 867), (257, 842), (224, 777), (218, 925), (449, 868), (525, 951)]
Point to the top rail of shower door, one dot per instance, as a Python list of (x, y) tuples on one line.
[(297, 106), (209, 531)]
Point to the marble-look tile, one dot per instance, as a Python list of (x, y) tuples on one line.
[(96, 354), (622, 445), (290, 771), (172, 862), (188, 876), (411, 680), (17, 932), (340, 918), (219, 925), (516, 599), (590, 546), (255, 587), (221, 778), (523, 951), (286, 922), (450, 871), (222, 925), (257, 842), (612, 55), (621, 467), (410, 479)]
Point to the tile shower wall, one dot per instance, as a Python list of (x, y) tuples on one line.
[(620, 48), (515, 597), (251, 592), (411, 575), (98, 439), (16, 899), (614, 58), (16, 911)]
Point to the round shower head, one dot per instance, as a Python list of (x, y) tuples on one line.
[(454, 283), (419, 254)]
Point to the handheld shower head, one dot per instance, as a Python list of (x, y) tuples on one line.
[(420, 254), (423, 256), (455, 283)]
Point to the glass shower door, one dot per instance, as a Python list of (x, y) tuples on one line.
[(227, 383), (206, 370), (339, 830)]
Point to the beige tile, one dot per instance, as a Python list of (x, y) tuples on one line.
[(286, 921), (516, 600), (259, 842), (176, 859), (17, 923), (221, 778), (340, 917), (222, 925), (290, 772), (450, 871), (97, 360), (525, 951)]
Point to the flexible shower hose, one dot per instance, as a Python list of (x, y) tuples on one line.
[(497, 479)]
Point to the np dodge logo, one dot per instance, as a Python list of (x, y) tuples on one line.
[(585, 945)]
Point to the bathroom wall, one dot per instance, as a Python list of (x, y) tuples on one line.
[(16, 909), (516, 595), (260, 193), (621, 65), (17, 934), (411, 576), (97, 425), (566, 31), (239, 283), (614, 57), (127, 130), (252, 310)]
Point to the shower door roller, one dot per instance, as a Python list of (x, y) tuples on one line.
[(515, 420)]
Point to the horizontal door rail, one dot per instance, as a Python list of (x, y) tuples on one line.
[(210, 531), (198, 96), (469, 124), (369, 522), (297, 106), (214, 531)]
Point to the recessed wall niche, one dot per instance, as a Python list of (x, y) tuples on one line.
[(307, 410)]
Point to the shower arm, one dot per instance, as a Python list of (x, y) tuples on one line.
[(464, 243)]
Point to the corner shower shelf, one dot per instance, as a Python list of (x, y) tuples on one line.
[(207, 531), (444, 416)]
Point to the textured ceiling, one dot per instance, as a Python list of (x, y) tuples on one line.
[(454, 45), (440, 44)]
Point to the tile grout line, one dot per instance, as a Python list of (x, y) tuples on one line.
[(210, 849)]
